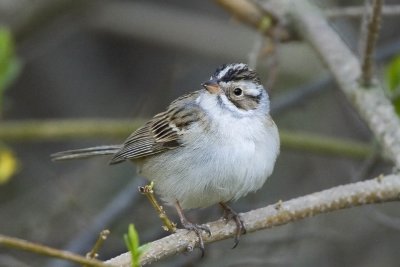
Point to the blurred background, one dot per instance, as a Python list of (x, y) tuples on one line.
[(129, 59)]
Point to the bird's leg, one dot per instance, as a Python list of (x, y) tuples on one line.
[(229, 213), (192, 227)]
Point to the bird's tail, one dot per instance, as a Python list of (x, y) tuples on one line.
[(86, 152)]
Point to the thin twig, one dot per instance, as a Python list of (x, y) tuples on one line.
[(148, 191), (380, 190), (358, 11), (93, 253), (363, 32), (372, 35), (249, 13), (20, 244), (300, 94)]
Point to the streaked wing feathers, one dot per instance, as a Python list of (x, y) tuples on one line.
[(159, 134)]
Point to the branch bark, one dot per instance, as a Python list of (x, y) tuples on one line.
[(374, 26), (378, 190)]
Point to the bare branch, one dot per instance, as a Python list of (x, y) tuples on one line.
[(380, 189), (48, 130), (148, 191), (358, 11), (266, 21), (93, 253), (372, 35), (372, 104), (48, 251)]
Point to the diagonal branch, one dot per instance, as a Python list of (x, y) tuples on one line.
[(267, 22), (378, 190), (20, 244), (371, 104)]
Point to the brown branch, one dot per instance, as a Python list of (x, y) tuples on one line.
[(358, 11), (148, 191), (372, 35), (93, 253), (378, 190), (20, 244), (266, 21)]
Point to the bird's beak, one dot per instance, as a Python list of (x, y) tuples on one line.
[(211, 86)]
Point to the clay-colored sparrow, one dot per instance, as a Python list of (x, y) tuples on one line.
[(210, 146)]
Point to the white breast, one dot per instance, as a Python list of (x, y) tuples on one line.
[(234, 157)]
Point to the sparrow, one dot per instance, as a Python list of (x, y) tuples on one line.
[(210, 146)]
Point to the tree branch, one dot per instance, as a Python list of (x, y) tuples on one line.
[(346, 69), (374, 26), (371, 104), (378, 190), (266, 21), (35, 130), (48, 251), (358, 11), (381, 119), (93, 253)]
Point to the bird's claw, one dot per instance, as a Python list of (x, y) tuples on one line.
[(229, 213), (240, 229), (197, 230)]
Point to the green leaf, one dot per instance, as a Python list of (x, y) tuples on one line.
[(6, 48), (10, 74), (10, 66), (396, 104), (392, 75), (132, 242)]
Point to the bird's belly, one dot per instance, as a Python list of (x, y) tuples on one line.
[(202, 175)]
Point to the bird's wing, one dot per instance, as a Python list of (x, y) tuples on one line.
[(162, 132)]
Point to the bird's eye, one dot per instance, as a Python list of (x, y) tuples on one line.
[(238, 91)]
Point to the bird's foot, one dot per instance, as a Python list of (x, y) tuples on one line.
[(229, 213), (193, 227), (197, 229)]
